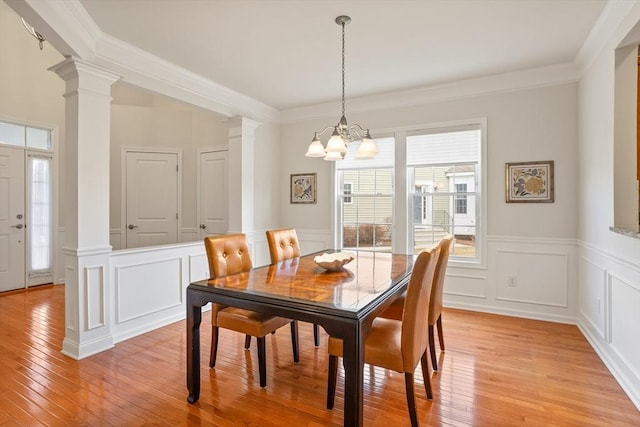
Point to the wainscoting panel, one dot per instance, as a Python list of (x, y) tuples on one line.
[(147, 288), (465, 285), (532, 277), (624, 320), (592, 294), (95, 296), (616, 282)]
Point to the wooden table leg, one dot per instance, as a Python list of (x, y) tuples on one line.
[(353, 359), (194, 318)]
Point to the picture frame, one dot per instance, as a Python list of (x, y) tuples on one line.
[(529, 182), (303, 188)]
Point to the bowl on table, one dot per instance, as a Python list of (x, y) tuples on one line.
[(333, 261)]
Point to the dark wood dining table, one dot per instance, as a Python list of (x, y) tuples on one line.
[(343, 302)]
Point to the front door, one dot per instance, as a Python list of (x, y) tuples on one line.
[(12, 219), (151, 198), (213, 197)]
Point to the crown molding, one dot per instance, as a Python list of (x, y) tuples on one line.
[(603, 32), (507, 82), (148, 71), (78, 35)]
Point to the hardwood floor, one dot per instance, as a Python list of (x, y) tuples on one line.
[(496, 371)]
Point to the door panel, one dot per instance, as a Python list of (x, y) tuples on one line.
[(12, 219), (151, 199), (213, 197)]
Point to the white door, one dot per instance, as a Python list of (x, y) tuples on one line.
[(213, 198), (12, 219), (151, 198)]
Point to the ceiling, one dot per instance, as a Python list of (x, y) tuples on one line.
[(286, 53)]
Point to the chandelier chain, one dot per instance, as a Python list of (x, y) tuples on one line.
[(343, 24)]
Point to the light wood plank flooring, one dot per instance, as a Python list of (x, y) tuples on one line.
[(496, 371)]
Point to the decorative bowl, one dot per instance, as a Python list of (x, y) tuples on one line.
[(333, 261)]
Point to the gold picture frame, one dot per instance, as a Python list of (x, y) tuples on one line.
[(303, 188), (529, 182)]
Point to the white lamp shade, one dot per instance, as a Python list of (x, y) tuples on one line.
[(367, 149), (333, 156), (336, 145), (316, 149)]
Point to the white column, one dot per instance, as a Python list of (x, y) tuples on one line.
[(241, 168), (86, 249)]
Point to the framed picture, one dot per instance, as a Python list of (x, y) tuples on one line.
[(303, 188), (529, 182)]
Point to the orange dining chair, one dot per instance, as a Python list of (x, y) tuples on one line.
[(283, 245), (435, 306), (394, 344), (227, 255)]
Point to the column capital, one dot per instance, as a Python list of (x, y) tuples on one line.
[(72, 67), (241, 121)]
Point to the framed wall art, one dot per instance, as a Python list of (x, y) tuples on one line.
[(529, 182), (303, 188)]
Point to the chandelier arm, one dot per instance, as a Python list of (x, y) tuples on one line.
[(324, 130), (355, 127)]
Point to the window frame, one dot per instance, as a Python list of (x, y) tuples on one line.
[(403, 205)]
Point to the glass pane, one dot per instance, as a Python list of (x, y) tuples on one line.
[(12, 134), (39, 138), (39, 215)]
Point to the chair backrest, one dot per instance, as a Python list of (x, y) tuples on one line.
[(227, 254), (414, 340), (435, 307), (283, 244)]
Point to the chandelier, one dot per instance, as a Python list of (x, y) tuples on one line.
[(342, 133)]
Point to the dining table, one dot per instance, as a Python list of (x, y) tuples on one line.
[(343, 301)]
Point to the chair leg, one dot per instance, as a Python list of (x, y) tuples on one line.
[(426, 375), (247, 342), (294, 341), (332, 378), (316, 335), (432, 349), (440, 336), (262, 361), (214, 346), (411, 399)]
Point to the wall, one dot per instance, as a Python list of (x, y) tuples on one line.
[(609, 263), (139, 120), (29, 94), (523, 125)]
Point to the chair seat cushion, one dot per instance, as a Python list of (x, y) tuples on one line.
[(249, 322), (382, 347)]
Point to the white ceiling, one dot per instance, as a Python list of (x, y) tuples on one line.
[(286, 53)]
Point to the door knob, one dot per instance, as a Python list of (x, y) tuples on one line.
[(18, 226), (131, 226), (202, 226)]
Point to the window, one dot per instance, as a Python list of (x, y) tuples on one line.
[(25, 136), (366, 202), (461, 199), (407, 204), (347, 188), (449, 160)]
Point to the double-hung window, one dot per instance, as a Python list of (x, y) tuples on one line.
[(365, 205), (443, 166)]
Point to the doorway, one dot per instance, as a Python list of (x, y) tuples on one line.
[(26, 218)]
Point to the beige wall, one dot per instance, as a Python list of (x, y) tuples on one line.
[(526, 125)]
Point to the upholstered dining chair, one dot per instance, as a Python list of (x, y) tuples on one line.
[(227, 255), (398, 344), (283, 245), (435, 306)]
